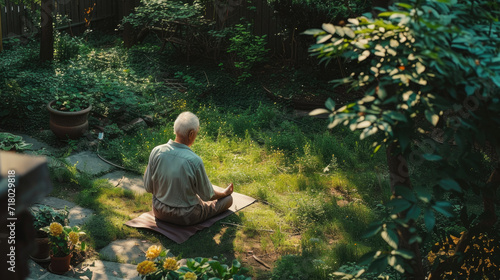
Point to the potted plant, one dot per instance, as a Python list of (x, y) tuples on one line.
[(11, 142), (63, 240), (69, 114), (42, 218)]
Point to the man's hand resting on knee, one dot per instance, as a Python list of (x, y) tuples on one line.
[(227, 192)]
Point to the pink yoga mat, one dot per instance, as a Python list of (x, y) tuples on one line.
[(180, 234)]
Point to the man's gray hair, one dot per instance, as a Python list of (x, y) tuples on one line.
[(185, 122)]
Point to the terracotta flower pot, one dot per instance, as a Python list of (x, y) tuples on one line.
[(42, 253), (70, 125), (60, 265)]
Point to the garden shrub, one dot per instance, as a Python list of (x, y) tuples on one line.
[(245, 49), (155, 12), (65, 46)]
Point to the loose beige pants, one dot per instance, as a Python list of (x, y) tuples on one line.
[(195, 214)]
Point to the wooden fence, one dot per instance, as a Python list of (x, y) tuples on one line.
[(265, 21), (18, 20)]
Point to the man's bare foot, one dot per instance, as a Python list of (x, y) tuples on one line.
[(229, 190)]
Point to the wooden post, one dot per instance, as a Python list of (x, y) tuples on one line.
[(47, 31)]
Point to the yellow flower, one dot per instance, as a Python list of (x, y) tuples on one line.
[(190, 276), (153, 252), (146, 267), (73, 237), (170, 264), (55, 229)]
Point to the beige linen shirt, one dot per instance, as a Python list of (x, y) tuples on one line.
[(176, 175)]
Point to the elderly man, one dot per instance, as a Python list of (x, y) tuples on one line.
[(182, 192)]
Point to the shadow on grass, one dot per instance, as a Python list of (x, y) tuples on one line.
[(212, 242)]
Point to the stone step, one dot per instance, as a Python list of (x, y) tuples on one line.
[(103, 276), (126, 180), (90, 269), (38, 272), (89, 162), (51, 276), (111, 270), (77, 215), (132, 251)]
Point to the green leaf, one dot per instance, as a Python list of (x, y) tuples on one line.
[(423, 194), (445, 208), (429, 219), (407, 254), (217, 267), (413, 213), (431, 117), (323, 38), (382, 93), (184, 269), (432, 157), (406, 193), (363, 124), (379, 265), (397, 116), (398, 205), (372, 229), (368, 132), (320, 111), (390, 237), (330, 104), (414, 239), (368, 257), (404, 141), (450, 184)]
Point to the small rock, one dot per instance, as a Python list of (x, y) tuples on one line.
[(135, 124), (149, 120)]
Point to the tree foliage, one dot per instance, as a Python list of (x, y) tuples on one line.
[(431, 75), (153, 12)]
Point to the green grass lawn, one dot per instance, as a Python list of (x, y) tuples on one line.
[(304, 214), (317, 190)]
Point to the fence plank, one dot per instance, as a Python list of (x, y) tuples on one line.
[(10, 19), (258, 16), (4, 21)]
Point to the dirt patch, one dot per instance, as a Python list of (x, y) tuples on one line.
[(259, 254), (342, 197)]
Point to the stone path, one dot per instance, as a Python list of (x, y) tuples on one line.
[(119, 258), (89, 162), (126, 180), (128, 252), (77, 215)]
